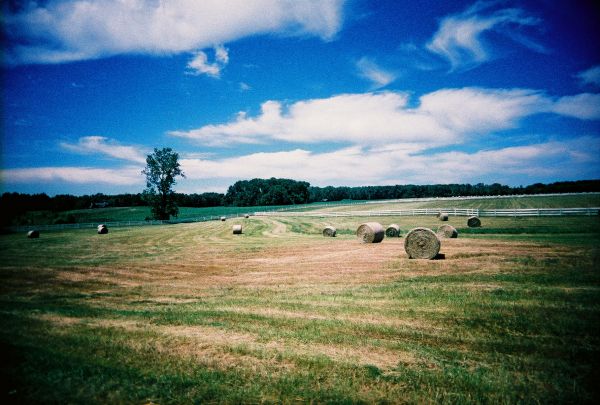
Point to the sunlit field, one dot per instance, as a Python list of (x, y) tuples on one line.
[(192, 313)]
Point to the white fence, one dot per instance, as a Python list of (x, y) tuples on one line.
[(527, 212)]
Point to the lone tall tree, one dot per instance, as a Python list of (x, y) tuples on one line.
[(162, 167)]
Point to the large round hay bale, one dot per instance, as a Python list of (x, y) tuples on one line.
[(392, 231), (370, 232), (247, 216), (237, 229), (329, 231), (442, 216), (473, 222), (421, 243), (34, 233), (102, 229), (447, 231), (223, 218)]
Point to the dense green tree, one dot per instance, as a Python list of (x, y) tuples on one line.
[(245, 193), (162, 168)]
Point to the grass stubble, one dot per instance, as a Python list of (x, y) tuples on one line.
[(190, 313)]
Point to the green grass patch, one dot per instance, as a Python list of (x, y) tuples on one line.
[(193, 314)]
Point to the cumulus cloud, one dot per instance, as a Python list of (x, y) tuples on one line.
[(353, 166), (441, 118), (200, 65), (76, 175), (99, 145), (374, 73), (460, 38), (590, 76), (57, 31), (360, 166)]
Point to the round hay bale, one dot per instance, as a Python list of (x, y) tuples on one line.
[(421, 243), (102, 229), (442, 216), (393, 231), (370, 232), (34, 233), (473, 222), (329, 231), (247, 216), (223, 218), (237, 229), (447, 231)]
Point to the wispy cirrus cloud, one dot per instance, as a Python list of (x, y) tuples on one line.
[(443, 117), (100, 145), (590, 76), (374, 73), (58, 31), (123, 176), (460, 38)]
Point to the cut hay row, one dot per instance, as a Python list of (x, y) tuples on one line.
[(422, 243), (370, 232)]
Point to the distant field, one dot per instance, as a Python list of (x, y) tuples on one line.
[(116, 214), (191, 313), (99, 215), (563, 201)]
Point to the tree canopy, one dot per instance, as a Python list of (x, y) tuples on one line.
[(162, 168), (245, 193)]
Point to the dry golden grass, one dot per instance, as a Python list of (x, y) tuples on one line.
[(280, 303)]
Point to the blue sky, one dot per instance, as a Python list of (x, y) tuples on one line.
[(329, 92)]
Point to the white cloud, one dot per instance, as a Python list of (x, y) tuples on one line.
[(459, 39), (200, 65), (361, 166), (590, 76), (442, 117), (67, 30), (372, 72), (77, 175), (584, 106), (569, 159), (103, 146)]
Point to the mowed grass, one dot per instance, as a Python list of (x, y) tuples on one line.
[(533, 201), (192, 313)]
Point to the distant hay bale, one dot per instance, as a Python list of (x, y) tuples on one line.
[(223, 218), (447, 231), (247, 216), (370, 232), (34, 233), (421, 243), (329, 231), (473, 222), (442, 216), (237, 229), (393, 231), (102, 229)]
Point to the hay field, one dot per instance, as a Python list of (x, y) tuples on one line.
[(192, 313)]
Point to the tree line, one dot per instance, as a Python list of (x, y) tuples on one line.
[(277, 192)]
